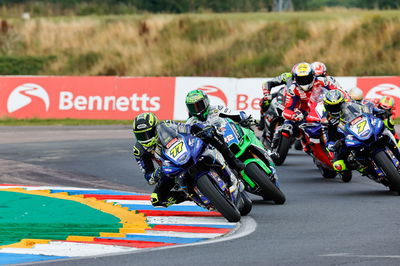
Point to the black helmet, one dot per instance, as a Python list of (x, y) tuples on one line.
[(303, 75), (333, 101), (198, 104), (145, 129)]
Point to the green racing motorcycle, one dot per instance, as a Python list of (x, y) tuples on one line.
[(259, 175)]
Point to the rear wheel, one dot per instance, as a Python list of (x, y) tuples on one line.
[(391, 172), (218, 199), (282, 150), (346, 176), (268, 190), (328, 174), (297, 145)]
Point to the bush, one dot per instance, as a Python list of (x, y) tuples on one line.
[(23, 65)]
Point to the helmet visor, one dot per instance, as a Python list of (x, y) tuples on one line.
[(304, 80), (197, 108), (145, 136), (333, 109)]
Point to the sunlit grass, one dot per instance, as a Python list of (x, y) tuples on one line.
[(350, 42)]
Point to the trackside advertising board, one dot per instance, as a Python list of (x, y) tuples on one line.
[(126, 97), (86, 97)]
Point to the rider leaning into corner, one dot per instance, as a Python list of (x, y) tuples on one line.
[(385, 104), (299, 93), (147, 152), (286, 78)]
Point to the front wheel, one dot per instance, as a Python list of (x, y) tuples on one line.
[(327, 173), (391, 172), (218, 199), (268, 189)]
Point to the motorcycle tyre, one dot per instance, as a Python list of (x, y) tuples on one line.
[(282, 150), (346, 176), (326, 173), (391, 172), (297, 145), (247, 204), (268, 190), (223, 205)]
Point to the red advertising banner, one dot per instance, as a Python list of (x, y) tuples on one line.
[(86, 97), (377, 87)]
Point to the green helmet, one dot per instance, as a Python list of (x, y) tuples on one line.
[(198, 104), (145, 129)]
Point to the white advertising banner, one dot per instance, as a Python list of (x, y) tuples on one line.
[(248, 95), (237, 94), (347, 82), (221, 91)]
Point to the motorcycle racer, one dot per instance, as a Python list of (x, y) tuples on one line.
[(147, 152), (283, 79), (200, 112), (386, 104), (299, 93), (334, 104)]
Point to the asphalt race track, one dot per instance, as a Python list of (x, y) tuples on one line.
[(323, 222)]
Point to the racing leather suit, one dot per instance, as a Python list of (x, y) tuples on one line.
[(162, 194), (282, 79), (222, 146), (297, 101), (146, 159)]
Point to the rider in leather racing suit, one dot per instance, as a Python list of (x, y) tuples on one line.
[(334, 103), (147, 152), (283, 79), (298, 95), (201, 113)]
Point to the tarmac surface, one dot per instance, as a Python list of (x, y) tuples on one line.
[(323, 222)]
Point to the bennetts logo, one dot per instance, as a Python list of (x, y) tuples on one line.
[(383, 90), (23, 95), (215, 92)]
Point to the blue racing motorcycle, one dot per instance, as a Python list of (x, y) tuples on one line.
[(372, 147), (201, 172)]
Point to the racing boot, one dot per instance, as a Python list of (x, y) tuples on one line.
[(341, 168), (231, 159)]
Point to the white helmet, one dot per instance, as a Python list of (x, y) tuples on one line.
[(356, 94)]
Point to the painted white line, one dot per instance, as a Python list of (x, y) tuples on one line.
[(7, 187), (187, 220), (348, 255), (69, 249), (246, 226), (58, 188), (147, 202), (178, 234)]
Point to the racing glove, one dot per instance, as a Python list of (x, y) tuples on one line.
[(297, 116), (247, 122), (155, 176), (330, 146)]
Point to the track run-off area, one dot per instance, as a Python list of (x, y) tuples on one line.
[(323, 222)]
